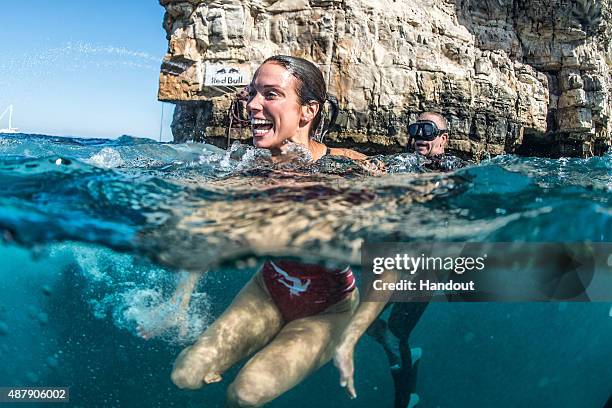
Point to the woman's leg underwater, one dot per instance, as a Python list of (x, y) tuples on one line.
[(248, 324), (300, 348)]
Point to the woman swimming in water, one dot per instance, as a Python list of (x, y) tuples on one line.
[(291, 314)]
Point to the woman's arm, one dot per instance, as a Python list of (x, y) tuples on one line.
[(365, 314), (373, 166), (351, 154), (177, 307), (185, 287)]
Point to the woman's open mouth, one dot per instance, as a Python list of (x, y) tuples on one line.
[(261, 127)]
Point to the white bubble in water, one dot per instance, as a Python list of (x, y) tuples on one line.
[(90, 260), (106, 158), (156, 316), (135, 294), (610, 312)]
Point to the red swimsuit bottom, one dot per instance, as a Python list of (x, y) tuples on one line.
[(301, 290)]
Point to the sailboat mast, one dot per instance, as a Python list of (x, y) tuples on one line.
[(10, 128)]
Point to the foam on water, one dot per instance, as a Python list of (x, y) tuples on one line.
[(106, 158)]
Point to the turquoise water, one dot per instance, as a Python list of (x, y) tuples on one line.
[(97, 231)]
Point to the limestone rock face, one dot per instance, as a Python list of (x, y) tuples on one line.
[(508, 74)]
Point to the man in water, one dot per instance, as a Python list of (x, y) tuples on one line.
[(430, 135)]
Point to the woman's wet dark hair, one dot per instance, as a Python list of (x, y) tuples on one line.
[(310, 87)]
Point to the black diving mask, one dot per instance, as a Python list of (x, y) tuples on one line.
[(425, 130)]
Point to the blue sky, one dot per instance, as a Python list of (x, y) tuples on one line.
[(83, 68)]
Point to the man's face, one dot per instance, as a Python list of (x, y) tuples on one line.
[(431, 148), (434, 147)]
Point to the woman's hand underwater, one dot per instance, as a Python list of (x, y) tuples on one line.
[(166, 316), (344, 362), (173, 313)]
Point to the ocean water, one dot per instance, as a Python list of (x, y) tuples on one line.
[(96, 233)]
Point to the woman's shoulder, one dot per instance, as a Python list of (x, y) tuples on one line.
[(351, 154)]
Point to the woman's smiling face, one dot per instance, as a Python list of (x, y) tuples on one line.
[(273, 106)]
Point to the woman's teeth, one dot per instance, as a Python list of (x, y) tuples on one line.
[(260, 122), (261, 126), (260, 132)]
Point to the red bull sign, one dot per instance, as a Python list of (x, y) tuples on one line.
[(227, 74)]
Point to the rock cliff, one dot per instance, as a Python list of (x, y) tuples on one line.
[(510, 75)]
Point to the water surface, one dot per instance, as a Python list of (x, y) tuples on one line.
[(97, 231)]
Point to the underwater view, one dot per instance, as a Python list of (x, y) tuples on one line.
[(96, 234)]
